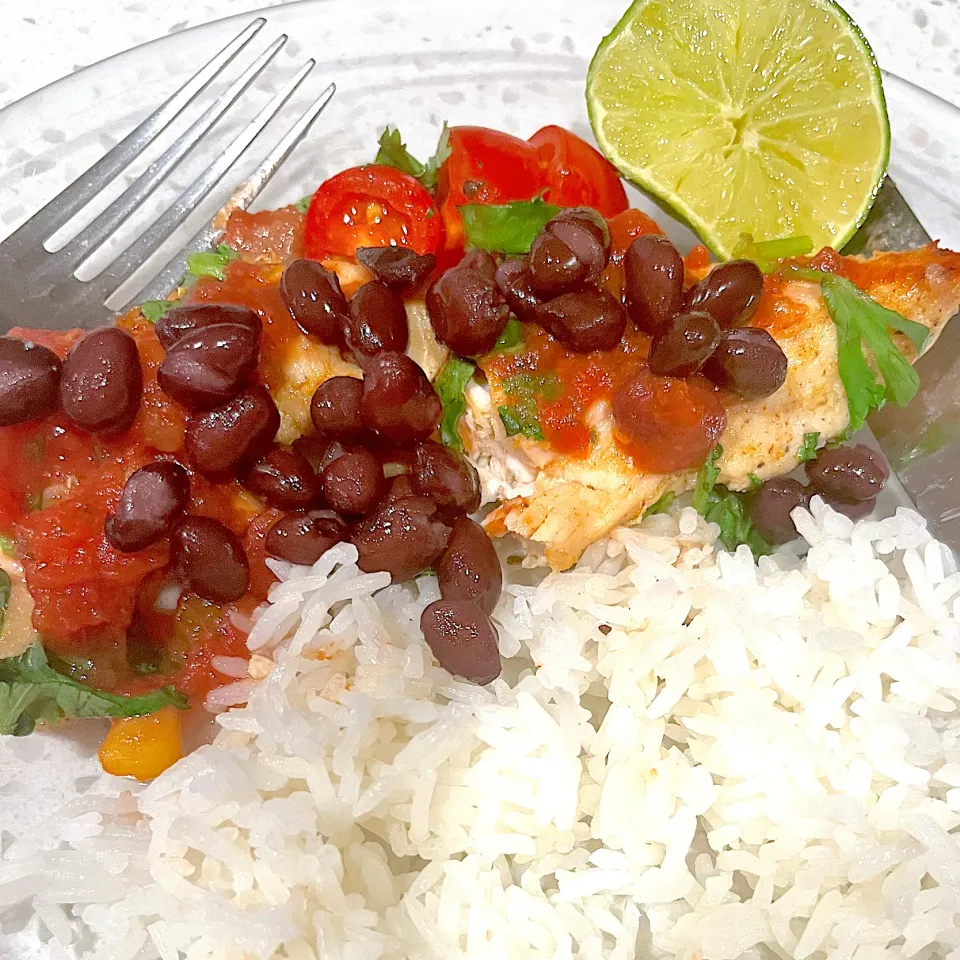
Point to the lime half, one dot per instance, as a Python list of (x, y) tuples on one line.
[(744, 117)]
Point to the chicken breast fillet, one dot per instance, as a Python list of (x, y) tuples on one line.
[(562, 504)]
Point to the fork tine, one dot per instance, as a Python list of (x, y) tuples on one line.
[(137, 253), (243, 196), (89, 184), (117, 212)]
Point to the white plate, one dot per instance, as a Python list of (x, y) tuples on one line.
[(414, 64)]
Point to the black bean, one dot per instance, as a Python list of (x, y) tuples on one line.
[(102, 382), (462, 639), (447, 477), (855, 511), (590, 218), (335, 408), (154, 500), (314, 298), (29, 381), (354, 482), (399, 404), (730, 293), (467, 310), (748, 362), (318, 450), (399, 487), (219, 441), (771, 505), (584, 321), (514, 282), (305, 537), (177, 322), (470, 568), (209, 366), (404, 537), (683, 344), (397, 266), (847, 474), (377, 321), (211, 560), (480, 262), (652, 281), (566, 255), (284, 478)]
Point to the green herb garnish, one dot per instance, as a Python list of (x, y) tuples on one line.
[(662, 505), (527, 385), (450, 385), (809, 449), (859, 319), (153, 310), (31, 691), (768, 253), (521, 418), (510, 228), (393, 152), (706, 481), (755, 482), (5, 587), (303, 204), (726, 509), (210, 263), (8, 546), (511, 338)]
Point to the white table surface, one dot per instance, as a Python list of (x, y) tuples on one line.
[(47, 39)]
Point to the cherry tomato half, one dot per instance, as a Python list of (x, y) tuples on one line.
[(577, 175), (484, 166), (371, 206)]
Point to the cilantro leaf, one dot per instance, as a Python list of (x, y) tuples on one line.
[(5, 587), (511, 338), (521, 418), (809, 449), (509, 228), (530, 385), (706, 481), (153, 310), (662, 505), (859, 318), (726, 509), (450, 385), (767, 253), (431, 168), (210, 263), (31, 691), (303, 204), (393, 152)]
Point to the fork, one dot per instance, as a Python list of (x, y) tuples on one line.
[(40, 288)]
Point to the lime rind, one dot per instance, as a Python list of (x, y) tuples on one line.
[(674, 127)]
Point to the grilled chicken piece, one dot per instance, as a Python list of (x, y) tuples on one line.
[(562, 504)]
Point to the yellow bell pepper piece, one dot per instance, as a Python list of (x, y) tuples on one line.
[(142, 747)]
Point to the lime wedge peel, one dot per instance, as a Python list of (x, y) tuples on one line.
[(742, 117)]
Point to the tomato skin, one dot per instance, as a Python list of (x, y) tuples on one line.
[(371, 206), (484, 166), (575, 174)]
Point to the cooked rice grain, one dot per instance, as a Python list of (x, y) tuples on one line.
[(746, 761)]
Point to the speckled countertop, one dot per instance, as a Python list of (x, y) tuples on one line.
[(44, 40)]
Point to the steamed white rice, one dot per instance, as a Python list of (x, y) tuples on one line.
[(688, 756)]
